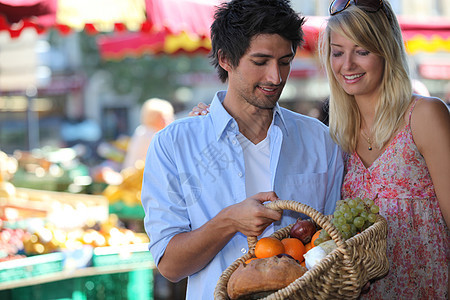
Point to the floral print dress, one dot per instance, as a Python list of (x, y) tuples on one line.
[(418, 238)]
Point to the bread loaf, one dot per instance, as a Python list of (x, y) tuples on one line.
[(263, 276)]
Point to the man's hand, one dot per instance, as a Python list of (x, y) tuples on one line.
[(251, 217)]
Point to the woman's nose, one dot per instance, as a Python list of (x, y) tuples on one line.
[(349, 62)]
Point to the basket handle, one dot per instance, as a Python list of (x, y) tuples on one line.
[(321, 220)]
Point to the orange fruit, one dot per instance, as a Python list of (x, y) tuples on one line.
[(268, 246), (294, 247), (309, 246), (249, 260), (315, 236)]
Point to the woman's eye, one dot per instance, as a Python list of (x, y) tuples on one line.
[(364, 52), (336, 54)]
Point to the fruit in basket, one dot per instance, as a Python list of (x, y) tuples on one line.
[(321, 237), (309, 246), (316, 254), (303, 230), (268, 246), (263, 276), (250, 259), (354, 215), (315, 237), (294, 247)]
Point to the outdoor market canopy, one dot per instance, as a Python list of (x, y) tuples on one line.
[(138, 27), (184, 23)]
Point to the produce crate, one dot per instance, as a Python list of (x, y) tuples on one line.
[(124, 211), (129, 254), (135, 284), (32, 266)]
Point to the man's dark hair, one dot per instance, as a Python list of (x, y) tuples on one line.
[(238, 21)]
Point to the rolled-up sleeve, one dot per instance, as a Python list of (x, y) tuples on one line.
[(165, 209)]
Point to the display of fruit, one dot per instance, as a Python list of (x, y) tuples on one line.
[(11, 243), (8, 166), (7, 190), (47, 238), (129, 190)]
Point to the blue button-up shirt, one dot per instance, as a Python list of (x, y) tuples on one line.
[(195, 168)]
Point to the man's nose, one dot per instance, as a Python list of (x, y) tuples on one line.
[(274, 74)]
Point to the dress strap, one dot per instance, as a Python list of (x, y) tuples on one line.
[(412, 108)]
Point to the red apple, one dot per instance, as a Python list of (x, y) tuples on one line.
[(303, 230)]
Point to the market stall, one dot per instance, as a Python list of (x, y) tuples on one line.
[(66, 245)]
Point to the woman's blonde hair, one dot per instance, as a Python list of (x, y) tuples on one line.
[(379, 33)]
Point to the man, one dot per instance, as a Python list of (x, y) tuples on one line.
[(206, 177)]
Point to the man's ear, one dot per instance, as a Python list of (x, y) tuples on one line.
[(224, 62)]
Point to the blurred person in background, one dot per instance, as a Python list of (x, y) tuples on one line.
[(155, 115), (397, 145)]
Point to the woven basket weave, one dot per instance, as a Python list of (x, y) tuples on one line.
[(340, 275)]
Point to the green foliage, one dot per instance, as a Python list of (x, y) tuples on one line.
[(155, 76)]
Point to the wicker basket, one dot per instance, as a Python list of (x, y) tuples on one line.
[(340, 275)]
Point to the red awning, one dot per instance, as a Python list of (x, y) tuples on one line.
[(16, 15), (176, 16), (170, 26), (426, 35), (181, 40), (42, 11), (173, 27), (172, 16)]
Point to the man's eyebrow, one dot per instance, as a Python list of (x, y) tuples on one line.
[(271, 56)]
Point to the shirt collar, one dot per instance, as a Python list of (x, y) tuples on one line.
[(278, 118), (222, 119)]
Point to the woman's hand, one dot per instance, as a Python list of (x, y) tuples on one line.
[(200, 110)]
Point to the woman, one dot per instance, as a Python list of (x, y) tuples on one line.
[(398, 145)]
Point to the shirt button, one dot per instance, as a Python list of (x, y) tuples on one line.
[(232, 125), (243, 250), (240, 174), (234, 142)]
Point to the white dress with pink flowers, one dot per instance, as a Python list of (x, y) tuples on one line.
[(418, 238)]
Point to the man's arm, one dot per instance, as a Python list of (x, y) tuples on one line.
[(178, 250), (189, 252)]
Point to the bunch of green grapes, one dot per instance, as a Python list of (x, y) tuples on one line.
[(354, 215)]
